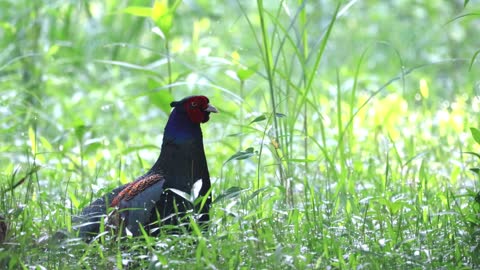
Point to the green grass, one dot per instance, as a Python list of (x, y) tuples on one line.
[(352, 118)]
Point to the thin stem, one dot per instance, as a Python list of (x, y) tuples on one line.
[(268, 69), (169, 65)]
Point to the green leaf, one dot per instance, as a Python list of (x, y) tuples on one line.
[(230, 193), (92, 145), (257, 192), (162, 15), (138, 11), (245, 73), (161, 99), (476, 170), (475, 134), (300, 160), (182, 194), (73, 199), (46, 144), (473, 59), (259, 119), (241, 155), (126, 65), (159, 9), (472, 153), (80, 131)]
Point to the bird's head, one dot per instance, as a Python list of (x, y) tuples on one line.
[(197, 108)]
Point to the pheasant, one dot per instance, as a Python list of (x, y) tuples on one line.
[(150, 200)]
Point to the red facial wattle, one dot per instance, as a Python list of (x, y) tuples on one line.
[(198, 109)]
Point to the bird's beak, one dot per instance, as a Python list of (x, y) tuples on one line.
[(210, 108)]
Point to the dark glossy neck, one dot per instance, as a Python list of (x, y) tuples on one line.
[(180, 129), (182, 158)]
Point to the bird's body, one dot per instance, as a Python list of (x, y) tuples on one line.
[(149, 200)]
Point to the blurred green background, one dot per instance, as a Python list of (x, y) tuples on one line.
[(352, 117)]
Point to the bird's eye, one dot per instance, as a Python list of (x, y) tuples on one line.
[(194, 104)]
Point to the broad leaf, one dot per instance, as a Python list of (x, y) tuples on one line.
[(162, 15), (245, 73), (475, 134), (80, 131), (162, 100), (92, 145), (241, 155)]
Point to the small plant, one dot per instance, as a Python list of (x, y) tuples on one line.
[(475, 216), (476, 170)]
